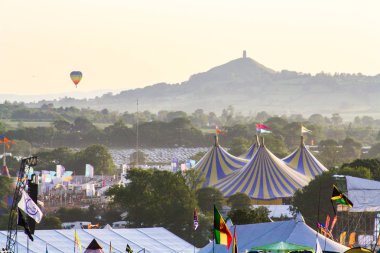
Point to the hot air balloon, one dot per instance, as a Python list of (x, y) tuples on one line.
[(76, 76)]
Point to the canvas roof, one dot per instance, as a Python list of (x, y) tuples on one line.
[(291, 231), (217, 163), (264, 177), (304, 162), (251, 151), (154, 240), (364, 194)]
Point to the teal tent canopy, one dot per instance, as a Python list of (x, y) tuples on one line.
[(283, 246)]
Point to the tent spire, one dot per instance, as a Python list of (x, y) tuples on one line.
[(216, 141), (302, 143), (257, 140), (262, 144)]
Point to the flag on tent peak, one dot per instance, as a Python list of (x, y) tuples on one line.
[(305, 130), (263, 129), (261, 126), (219, 131)]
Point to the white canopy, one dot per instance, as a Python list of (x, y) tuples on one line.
[(364, 194)]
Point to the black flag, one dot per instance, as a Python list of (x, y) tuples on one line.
[(21, 222), (129, 249)]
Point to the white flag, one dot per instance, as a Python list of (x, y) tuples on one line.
[(29, 207)]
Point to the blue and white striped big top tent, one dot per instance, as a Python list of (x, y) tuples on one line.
[(252, 150), (304, 162), (265, 177), (217, 163)]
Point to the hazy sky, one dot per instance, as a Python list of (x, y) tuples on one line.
[(122, 44)]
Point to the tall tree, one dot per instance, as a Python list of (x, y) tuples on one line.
[(156, 198)]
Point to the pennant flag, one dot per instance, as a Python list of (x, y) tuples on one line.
[(129, 249), (219, 131), (196, 223), (22, 222), (305, 130), (77, 242), (261, 126), (342, 238), (221, 231), (29, 207), (340, 198), (234, 243)]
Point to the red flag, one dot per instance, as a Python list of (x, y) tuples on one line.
[(218, 131), (261, 126), (327, 223), (333, 223)]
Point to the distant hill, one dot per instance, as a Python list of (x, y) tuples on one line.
[(249, 87)]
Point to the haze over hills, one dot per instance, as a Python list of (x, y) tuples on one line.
[(250, 87)]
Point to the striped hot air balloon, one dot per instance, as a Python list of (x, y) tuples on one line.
[(76, 76)]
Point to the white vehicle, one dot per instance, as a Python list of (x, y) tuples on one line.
[(76, 225), (119, 224)]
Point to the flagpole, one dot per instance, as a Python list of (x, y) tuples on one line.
[(75, 232), (27, 244), (213, 241)]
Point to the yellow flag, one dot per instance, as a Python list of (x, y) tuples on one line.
[(352, 239), (77, 241), (305, 130), (342, 238)]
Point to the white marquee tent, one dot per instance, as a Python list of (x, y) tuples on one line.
[(152, 239)]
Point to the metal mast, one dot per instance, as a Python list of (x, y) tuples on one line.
[(26, 163)]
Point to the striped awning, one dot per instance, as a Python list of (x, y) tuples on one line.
[(304, 162), (251, 151), (216, 164), (264, 177)]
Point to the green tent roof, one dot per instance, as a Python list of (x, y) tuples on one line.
[(282, 246)]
